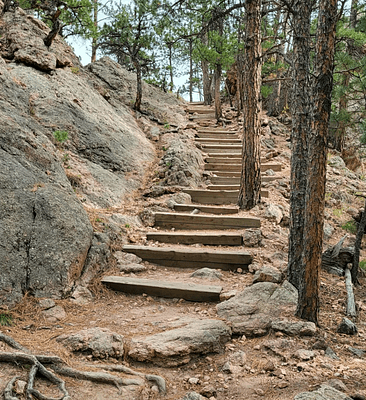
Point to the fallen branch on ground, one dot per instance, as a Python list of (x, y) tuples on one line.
[(351, 306)]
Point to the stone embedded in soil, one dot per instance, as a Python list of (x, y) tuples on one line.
[(133, 267), (45, 304), (192, 396), (207, 273), (357, 352), (99, 342), (294, 328), (81, 295), (323, 393), (127, 258), (252, 311), (304, 355), (252, 238), (337, 384), (347, 327), (329, 352), (273, 213), (54, 314), (268, 274), (176, 347)]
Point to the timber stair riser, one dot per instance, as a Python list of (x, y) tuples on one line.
[(238, 167), (206, 209), (186, 291), (215, 130), (214, 239), (217, 197), (225, 136), (218, 141), (221, 180), (188, 221), (191, 257)]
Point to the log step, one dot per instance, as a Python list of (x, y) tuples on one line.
[(199, 110), (227, 135), (223, 180), (197, 221), (187, 257), (215, 131), (211, 239), (206, 209), (230, 159), (180, 290), (237, 167), (218, 141), (202, 116), (217, 197)]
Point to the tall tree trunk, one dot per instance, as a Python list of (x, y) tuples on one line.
[(308, 302), (250, 181), (218, 108), (190, 71), (353, 15), (171, 83), (206, 81), (301, 127), (94, 40), (137, 105)]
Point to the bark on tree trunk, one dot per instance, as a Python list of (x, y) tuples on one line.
[(308, 301), (190, 71), (171, 83), (359, 236), (218, 108), (301, 127), (250, 181), (206, 81), (353, 15), (94, 40)]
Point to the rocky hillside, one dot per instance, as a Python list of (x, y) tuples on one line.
[(46, 184)]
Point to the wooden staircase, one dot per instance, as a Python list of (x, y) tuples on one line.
[(212, 220)]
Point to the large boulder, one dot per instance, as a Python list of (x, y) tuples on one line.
[(176, 347), (258, 308), (323, 393)]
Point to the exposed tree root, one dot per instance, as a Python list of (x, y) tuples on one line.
[(158, 380), (24, 356)]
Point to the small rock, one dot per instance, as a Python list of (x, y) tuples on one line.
[(252, 238), (81, 295), (270, 172), (54, 314), (193, 381), (45, 304), (347, 327), (133, 267), (320, 345), (20, 387), (208, 391), (304, 355), (238, 358), (127, 258), (227, 295), (273, 213), (259, 392), (294, 328), (357, 352), (207, 273), (282, 385), (227, 368), (268, 274), (329, 352), (328, 231), (337, 162), (337, 384), (192, 396)]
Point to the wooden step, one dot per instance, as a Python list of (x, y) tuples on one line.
[(200, 110), (188, 257), (223, 180), (218, 141), (230, 159), (180, 290), (237, 167), (229, 174), (217, 197), (216, 130), (202, 116), (217, 135), (210, 239), (206, 209), (195, 103), (197, 221), (223, 187)]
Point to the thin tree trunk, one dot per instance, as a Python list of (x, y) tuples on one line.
[(301, 127), (359, 236), (218, 108), (250, 181), (308, 301), (137, 105), (94, 40), (190, 71), (353, 15), (206, 81)]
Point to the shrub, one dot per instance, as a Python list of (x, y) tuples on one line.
[(61, 136)]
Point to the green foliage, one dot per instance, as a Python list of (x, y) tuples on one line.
[(6, 319), (350, 226), (266, 91), (75, 70), (363, 264), (61, 136)]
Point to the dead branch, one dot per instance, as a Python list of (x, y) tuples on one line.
[(12, 343), (351, 307), (336, 258), (158, 380), (8, 392)]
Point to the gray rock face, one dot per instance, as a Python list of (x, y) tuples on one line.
[(294, 328), (99, 342), (347, 327), (323, 393), (176, 347), (258, 308), (337, 162), (274, 213), (252, 238)]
